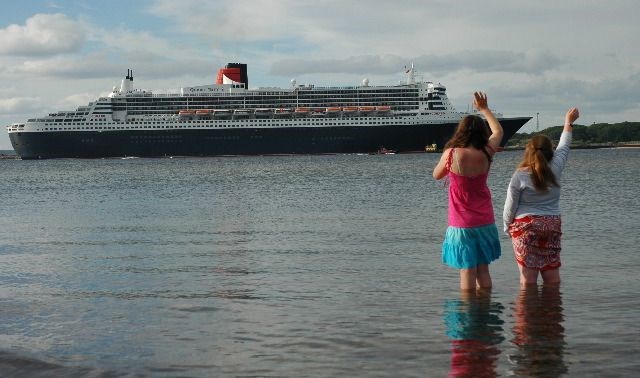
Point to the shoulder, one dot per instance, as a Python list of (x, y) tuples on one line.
[(468, 151), (445, 154), (521, 174)]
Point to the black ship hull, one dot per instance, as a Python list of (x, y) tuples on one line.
[(239, 141)]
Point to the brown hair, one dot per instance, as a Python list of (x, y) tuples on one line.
[(537, 155), (471, 131)]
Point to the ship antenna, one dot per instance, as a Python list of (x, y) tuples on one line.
[(411, 79)]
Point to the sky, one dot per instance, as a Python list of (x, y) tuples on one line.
[(532, 58)]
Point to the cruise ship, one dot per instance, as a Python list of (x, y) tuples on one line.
[(229, 118)]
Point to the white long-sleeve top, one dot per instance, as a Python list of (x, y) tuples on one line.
[(523, 198)]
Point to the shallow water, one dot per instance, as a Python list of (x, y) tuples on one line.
[(300, 266)]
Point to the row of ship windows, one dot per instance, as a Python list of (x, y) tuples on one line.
[(274, 103), (252, 121), (341, 97), (292, 100), (134, 107), (378, 94), (168, 138), (185, 126)]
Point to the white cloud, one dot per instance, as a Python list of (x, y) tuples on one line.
[(78, 99), (42, 34), (121, 39), (72, 67), (99, 65), (235, 21), (470, 60), (19, 105)]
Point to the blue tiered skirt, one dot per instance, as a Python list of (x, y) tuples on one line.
[(465, 248)]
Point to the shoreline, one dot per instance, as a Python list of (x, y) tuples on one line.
[(586, 146)]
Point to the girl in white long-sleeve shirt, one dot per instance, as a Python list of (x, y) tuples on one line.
[(532, 207)]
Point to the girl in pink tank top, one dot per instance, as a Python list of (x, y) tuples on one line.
[(471, 240)]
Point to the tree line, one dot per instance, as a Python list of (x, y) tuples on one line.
[(598, 133)]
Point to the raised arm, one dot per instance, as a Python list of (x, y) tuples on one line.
[(480, 103), (561, 153), (570, 118)]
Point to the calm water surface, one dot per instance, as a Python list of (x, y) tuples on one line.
[(301, 266)]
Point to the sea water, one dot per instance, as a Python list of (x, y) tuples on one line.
[(301, 266)]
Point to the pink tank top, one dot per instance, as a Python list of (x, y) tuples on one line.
[(469, 199)]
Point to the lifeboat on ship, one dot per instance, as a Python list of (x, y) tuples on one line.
[(318, 112), (301, 112), (383, 110), (282, 112), (242, 113), (263, 112), (221, 113), (186, 113), (350, 110), (366, 109), (332, 111), (203, 112)]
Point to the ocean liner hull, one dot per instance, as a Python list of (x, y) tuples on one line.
[(238, 141)]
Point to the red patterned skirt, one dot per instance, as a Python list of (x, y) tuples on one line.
[(536, 241)]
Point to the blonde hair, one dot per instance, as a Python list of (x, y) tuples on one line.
[(537, 155)]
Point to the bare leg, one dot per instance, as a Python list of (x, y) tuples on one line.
[(551, 276), (483, 279), (528, 276), (468, 279)]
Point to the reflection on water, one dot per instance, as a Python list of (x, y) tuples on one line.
[(538, 333), (474, 326)]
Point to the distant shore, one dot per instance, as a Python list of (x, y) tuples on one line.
[(587, 146)]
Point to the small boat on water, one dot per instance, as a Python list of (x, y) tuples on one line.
[(385, 151)]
